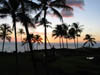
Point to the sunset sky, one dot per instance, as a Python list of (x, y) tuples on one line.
[(87, 14)]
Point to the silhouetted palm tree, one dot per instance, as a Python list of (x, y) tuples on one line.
[(21, 32), (48, 25), (5, 32), (10, 7), (38, 39), (72, 34), (26, 19), (52, 4), (25, 40), (59, 32), (65, 34), (89, 40), (78, 30)]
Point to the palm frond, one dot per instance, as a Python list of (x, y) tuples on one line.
[(13, 4), (3, 15), (8, 38), (92, 44), (4, 11), (25, 18), (95, 42), (57, 14), (37, 16), (85, 43), (63, 6), (32, 5)]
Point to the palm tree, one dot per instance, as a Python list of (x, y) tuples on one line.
[(58, 32), (11, 7), (44, 5), (65, 34), (25, 40), (21, 32), (89, 40), (48, 25), (72, 35), (78, 30), (5, 32), (38, 39)]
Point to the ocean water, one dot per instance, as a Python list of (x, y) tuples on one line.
[(10, 47)]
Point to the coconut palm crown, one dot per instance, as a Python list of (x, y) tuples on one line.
[(5, 32), (89, 40)]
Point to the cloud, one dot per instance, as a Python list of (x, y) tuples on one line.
[(68, 13), (75, 3)]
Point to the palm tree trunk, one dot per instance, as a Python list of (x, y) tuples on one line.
[(89, 45), (29, 41), (49, 43), (14, 24), (4, 34), (24, 48), (45, 31), (60, 41), (77, 41), (45, 37), (74, 43), (66, 42), (3, 44), (37, 46), (21, 38)]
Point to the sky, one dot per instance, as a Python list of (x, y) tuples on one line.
[(87, 14)]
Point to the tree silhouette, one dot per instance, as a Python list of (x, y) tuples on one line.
[(65, 30), (44, 5), (78, 30), (38, 39), (17, 11), (72, 34), (11, 7), (59, 32), (21, 32), (25, 40), (48, 25), (89, 40), (5, 32)]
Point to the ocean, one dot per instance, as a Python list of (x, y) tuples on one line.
[(10, 47)]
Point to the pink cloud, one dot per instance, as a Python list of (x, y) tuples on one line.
[(67, 13), (75, 3)]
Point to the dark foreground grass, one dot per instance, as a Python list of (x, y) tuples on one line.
[(59, 62)]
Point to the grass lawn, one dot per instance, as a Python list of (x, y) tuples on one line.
[(66, 62)]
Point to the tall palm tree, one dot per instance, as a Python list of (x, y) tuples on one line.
[(21, 32), (78, 30), (26, 21), (50, 4), (65, 32), (5, 32), (10, 7), (13, 8), (58, 32), (72, 35), (48, 25), (89, 40)]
